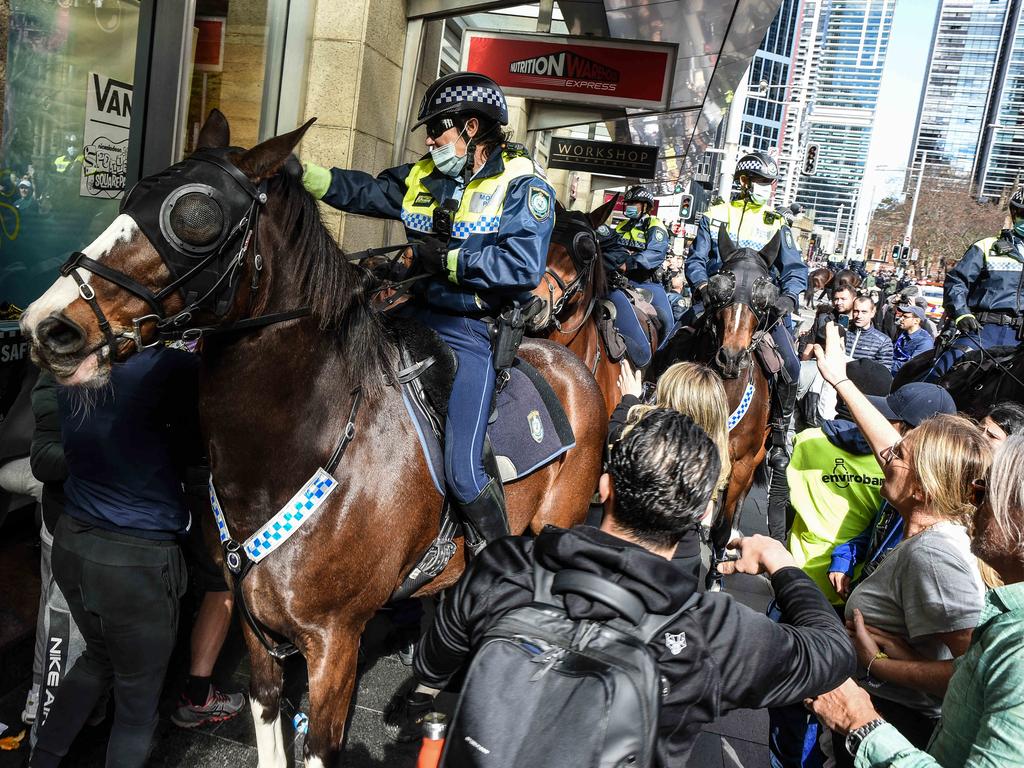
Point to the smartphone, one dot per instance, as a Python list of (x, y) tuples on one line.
[(844, 321)]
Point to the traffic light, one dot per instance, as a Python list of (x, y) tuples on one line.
[(686, 207), (810, 160), (679, 187), (905, 253), (896, 253)]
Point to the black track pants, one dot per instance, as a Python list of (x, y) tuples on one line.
[(123, 593)]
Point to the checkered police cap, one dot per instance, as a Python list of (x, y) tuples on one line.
[(1017, 199), (463, 92), (759, 164)]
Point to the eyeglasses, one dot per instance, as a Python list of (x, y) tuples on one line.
[(893, 453), (979, 488), (435, 128)]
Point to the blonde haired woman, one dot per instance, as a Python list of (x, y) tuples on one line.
[(923, 600), (694, 390)]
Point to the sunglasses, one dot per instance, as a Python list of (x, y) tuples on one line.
[(435, 128), (893, 453), (979, 488)]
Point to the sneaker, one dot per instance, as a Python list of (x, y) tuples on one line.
[(403, 715), (28, 714), (219, 706)]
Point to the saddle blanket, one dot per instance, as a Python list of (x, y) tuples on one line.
[(528, 428)]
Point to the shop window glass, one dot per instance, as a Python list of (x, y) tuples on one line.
[(64, 140)]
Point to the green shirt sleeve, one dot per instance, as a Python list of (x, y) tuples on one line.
[(885, 746)]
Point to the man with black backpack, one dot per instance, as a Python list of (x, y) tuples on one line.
[(587, 650)]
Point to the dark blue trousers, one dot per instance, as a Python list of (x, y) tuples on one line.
[(638, 348), (470, 403), (991, 336), (663, 308)]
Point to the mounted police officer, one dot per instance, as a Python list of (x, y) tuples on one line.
[(638, 247), (751, 223), (482, 216), (982, 293)]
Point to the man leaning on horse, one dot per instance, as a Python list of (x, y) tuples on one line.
[(482, 216), (751, 223)]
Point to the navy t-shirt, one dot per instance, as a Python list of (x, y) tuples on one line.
[(126, 448)]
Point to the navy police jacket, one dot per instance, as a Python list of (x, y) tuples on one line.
[(749, 226), (987, 278), (641, 246), (500, 232)]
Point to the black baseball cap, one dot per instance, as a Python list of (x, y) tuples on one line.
[(913, 403)]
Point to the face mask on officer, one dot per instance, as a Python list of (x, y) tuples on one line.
[(632, 211), (445, 159), (1018, 225), (759, 193)]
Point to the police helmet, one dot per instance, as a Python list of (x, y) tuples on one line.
[(757, 165), (638, 194), (1017, 202), (463, 92)]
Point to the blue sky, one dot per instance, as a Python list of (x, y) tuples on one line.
[(898, 101)]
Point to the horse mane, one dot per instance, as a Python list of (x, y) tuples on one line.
[(337, 291)]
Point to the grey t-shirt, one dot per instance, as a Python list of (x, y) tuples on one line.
[(927, 585)]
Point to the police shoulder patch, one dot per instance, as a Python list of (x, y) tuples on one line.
[(539, 203), (658, 234), (787, 234), (603, 230)]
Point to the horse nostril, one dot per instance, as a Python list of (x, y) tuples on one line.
[(60, 335)]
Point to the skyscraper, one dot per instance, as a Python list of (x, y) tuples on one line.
[(972, 108), (852, 39)]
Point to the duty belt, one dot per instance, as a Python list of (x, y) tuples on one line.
[(1000, 318)]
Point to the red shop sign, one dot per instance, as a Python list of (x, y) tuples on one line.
[(578, 69)]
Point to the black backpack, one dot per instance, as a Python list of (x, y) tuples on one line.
[(546, 691)]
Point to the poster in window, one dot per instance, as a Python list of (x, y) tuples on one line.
[(108, 116)]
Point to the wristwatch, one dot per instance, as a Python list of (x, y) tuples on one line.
[(856, 737)]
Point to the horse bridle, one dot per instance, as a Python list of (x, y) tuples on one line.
[(204, 289), (763, 293), (570, 234)]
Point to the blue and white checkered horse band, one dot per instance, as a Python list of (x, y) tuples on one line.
[(741, 410), (218, 514), (286, 522), (417, 221), (485, 224), (459, 94), (292, 515)]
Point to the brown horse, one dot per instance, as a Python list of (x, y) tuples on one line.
[(822, 282), (572, 284), (277, 387), (736, 319)]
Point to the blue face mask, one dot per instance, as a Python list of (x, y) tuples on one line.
[(632, 211), (1018, 226), (446, 161)]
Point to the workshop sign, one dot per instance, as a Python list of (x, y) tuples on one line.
[(576, 69), (603, 157)]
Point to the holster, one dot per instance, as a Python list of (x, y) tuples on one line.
[(506, 336)]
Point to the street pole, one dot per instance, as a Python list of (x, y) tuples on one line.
[(913, 205), (839, 224)]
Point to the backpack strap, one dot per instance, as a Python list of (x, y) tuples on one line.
[(654, 623), (542, 579)]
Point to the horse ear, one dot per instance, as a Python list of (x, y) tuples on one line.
[(771, 250), (266, 159), (559, 209), (599, 215), (215, 133), (725, 243)]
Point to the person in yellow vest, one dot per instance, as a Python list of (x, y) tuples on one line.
[(638, 247), (751, 223), (982, 293), (481, 215), (72, 157)]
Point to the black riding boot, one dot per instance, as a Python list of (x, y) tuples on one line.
[(486, 517), (783, 404)]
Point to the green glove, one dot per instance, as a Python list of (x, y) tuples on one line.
[(316, 179)]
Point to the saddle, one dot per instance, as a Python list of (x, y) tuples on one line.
[(629, 328), (528, 429)]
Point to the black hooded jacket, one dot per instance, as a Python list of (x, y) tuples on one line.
[(734, 657)]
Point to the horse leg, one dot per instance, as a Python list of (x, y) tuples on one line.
[(265, 683), (331, 660)]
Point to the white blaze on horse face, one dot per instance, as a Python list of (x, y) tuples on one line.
[(65, 290), (269, 739), (314, 762)]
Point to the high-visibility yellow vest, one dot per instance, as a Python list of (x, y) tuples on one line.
[(752, 227), (635, 237)]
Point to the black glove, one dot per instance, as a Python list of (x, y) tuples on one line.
[(784, 305), (968, 324), (432, 255), (702, 293)]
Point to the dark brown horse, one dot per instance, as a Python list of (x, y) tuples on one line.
[(274, 404), (821, 283), (572, 284)]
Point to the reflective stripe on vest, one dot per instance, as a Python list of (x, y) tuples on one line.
[(636, 238), (998, 263), (480, 207), (754, 232)]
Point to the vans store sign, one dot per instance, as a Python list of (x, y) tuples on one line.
[(577, 69), (603, 157)]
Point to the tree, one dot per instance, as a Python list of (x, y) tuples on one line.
[(948, 220)]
